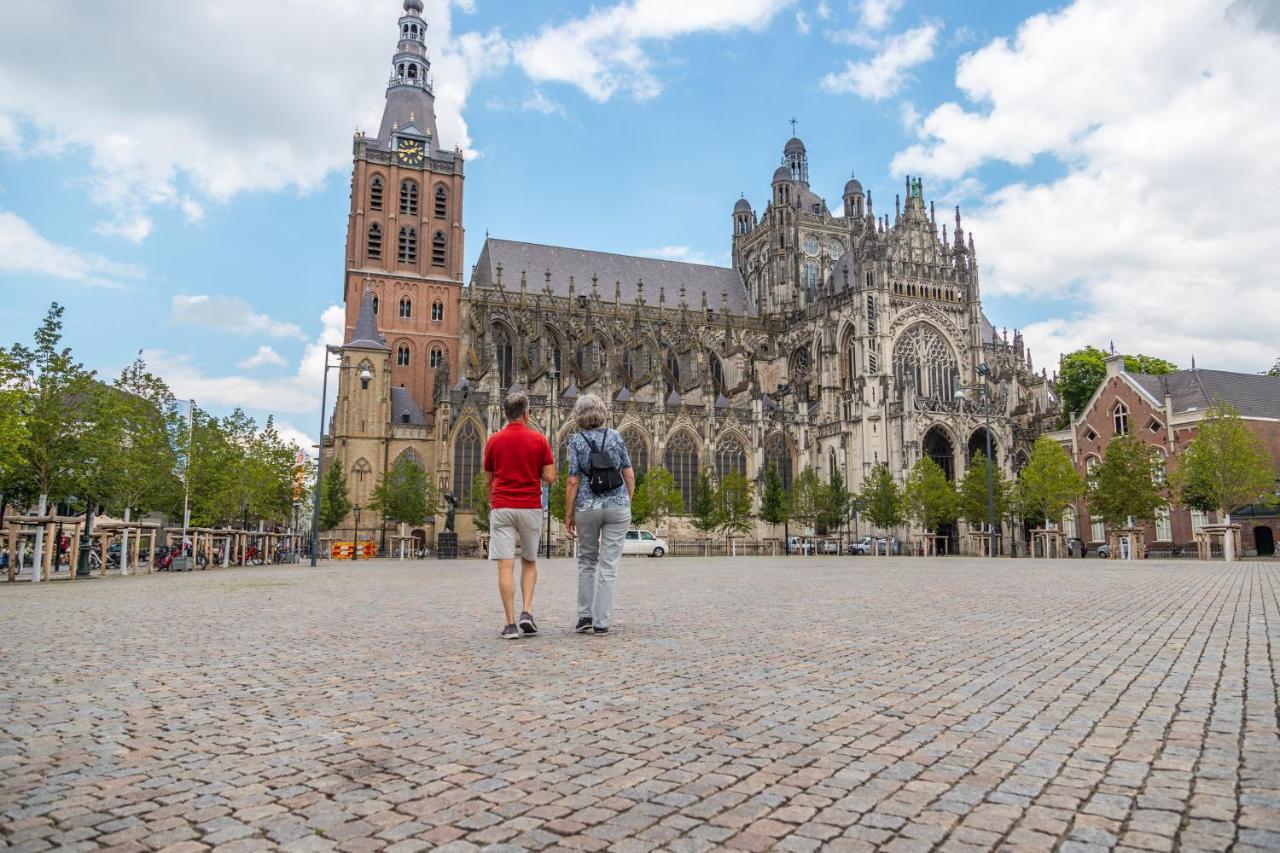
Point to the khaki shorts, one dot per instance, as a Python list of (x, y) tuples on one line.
[(508, 525)]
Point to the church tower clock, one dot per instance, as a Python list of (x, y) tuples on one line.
[(404, 231)]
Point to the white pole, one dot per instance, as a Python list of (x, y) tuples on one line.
[(124, 546), (1228, 540), (186, 478), (226, 551), (38, 563)]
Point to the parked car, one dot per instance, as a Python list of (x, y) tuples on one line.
[(831, 546), (1104, 551), (798, 545), (643, 543), (861, 546)]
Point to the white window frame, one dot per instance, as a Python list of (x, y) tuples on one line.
[(1164, 525)]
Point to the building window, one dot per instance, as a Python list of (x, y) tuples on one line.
[(1158, 466), (402, 355), (1164, 525), (1098, 530), (871, 315), (406, 308), (870, 281), (409, 197), (437, 249), (777, 454), (375, 194), (637, 449), (1155, 426), (375, 303), (811, 280), (1120, 416), (466, 463), (442, 202), (375, 242), (731, 457), (437, 312), (1070, 525), (1198, 520), (408, 245), (437, 357), (682, 462)]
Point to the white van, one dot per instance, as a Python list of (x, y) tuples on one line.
[(643, 543)]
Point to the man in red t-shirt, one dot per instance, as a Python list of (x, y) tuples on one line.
[(517, 461)]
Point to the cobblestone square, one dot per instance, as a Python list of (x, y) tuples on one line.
[(837, 703)]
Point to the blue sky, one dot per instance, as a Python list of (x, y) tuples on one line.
[(188, 197)]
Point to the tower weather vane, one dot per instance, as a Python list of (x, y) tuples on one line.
[(793, 126)]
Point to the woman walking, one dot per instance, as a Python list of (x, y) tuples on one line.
[(597, 511)]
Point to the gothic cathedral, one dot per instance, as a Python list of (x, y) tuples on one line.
[(837, 341)]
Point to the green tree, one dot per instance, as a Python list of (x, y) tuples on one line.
[(136, 440), (703, 512), (973, 492), (405, 494), (480, 502), (929, 498), (1048, 484), (209, 462), (774, 507), (640, 512), (658, 497), (733, 504), (13, 427), (58, 393), (560, 492), (807, 498), (1224, 467), (881, 499), (272, 466), (335, 497), (837, 503), (1084, 370), (1124, 486), (1275, 369)]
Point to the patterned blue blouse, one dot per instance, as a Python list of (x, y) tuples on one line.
[(580, 464)]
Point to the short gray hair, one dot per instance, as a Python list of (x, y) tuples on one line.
[(516, 405), (589, 412)]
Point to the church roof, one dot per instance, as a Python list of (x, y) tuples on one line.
[(366, 334), (534, 260), (404, 409), (1252, 395)]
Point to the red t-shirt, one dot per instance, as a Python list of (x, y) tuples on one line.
[(515, 457)]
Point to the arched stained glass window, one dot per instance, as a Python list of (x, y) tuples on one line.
[(467, 457), (923, 363), (638, 449), (731, 456), (682, 461), (777, 452)]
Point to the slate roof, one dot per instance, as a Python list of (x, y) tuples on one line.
[(535, 259), (366, 334), (402, 404), (1253, 395)]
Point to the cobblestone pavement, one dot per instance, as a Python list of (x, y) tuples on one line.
[(751, 704)]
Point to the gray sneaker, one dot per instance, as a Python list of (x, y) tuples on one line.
[(511, 632), (526, 624)]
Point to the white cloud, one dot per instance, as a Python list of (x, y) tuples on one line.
[(684, 254), (264, 357), (823, 11), (909, 115), (538, 102), (802, 23), (208, 100), (229, 314), (290, 434), (1163, 118), (295, 393), (878, 14), (884, 74), (23, 251), (603, 53)]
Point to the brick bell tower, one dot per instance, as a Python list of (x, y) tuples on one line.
[(404, 232)]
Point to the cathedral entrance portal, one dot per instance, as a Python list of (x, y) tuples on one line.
[(937, 446), (978, 444)]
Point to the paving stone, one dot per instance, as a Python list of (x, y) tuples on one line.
[(967, 704)]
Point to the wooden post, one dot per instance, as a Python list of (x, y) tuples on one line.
[(13, 553), (50, 531)]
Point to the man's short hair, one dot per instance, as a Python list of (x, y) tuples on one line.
[(516, 405)]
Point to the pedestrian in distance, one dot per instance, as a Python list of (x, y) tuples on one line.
[(597, 510), (517, 461)]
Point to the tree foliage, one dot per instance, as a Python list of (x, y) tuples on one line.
[(405, 494), (657, 496), (1275, 369), (929, 498), (973, 492), (880, 498), (480, 502), (703, 512), (1124, 486), (335, 496), (1225, 466), (807, 498), (1085, 369), (1048, 484), (733, 504), (774, 506), (837, 503)]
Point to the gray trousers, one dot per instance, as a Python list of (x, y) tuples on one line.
[(601, 533)]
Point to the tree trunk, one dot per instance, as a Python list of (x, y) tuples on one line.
[(1228, 540), (37, 561), (124, 546)]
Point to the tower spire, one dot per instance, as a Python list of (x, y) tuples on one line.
[(410, 96)]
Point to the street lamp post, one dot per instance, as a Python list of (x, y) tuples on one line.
[(355, 538), (784, 390), (984, 372), (365, 377), (551, 426)]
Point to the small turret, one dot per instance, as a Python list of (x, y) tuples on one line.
[(853, 199)]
